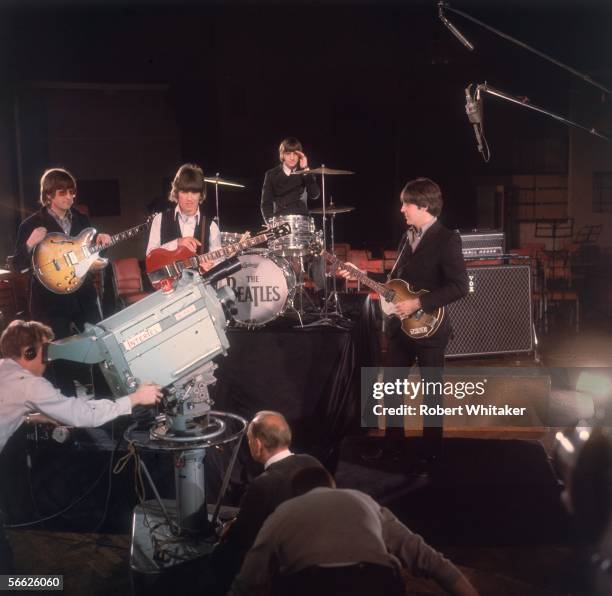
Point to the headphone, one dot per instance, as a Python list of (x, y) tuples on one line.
[(30, 353)]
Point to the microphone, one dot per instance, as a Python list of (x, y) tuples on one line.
[(452, 28), (474, 113), (472, 106)]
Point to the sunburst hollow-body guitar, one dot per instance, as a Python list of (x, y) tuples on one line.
[(61, 262)]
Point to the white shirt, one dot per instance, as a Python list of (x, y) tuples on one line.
[(415, 239), (277, 457), (21, 392), (187, 224)]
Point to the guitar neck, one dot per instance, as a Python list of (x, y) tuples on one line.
[(379, 288), (121, 237), (231, 249)]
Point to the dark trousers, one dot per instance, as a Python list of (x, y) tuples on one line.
[(62, 373), (6, 554), (404, 352), (363, 579)]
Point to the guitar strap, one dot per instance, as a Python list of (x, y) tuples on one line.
[(405, 243), (203, 234)]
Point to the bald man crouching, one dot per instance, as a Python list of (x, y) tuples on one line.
[(269, 438)]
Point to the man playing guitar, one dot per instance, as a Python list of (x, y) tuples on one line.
[(59, 311), (429, 258), (186, 224)]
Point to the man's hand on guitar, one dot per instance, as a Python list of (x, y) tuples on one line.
[(406, 307), (36, 236), (207, 266), (103, 239), (347, 273), (189, 242)]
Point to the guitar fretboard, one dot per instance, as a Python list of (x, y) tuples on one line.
[(231, 249), (120, 237), (387, 293)]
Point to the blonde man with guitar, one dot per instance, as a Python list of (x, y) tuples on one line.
[(61, 312), (430, 259)]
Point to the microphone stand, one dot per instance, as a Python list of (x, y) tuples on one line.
[(446, 6)]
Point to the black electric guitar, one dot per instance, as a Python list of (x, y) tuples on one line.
[(419, 324), (61, 262)]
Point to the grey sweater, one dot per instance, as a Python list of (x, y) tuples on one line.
[(337, 526)]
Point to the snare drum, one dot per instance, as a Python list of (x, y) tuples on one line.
[(299, 242), (264, 288)]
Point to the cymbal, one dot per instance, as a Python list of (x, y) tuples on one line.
[(222, 182), (332, 210), (323, 170)]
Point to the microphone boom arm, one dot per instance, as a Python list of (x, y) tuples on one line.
[(497, 93), (586, 78)]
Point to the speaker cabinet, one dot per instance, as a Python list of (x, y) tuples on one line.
[(496, 315)]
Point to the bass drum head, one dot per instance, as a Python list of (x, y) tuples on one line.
[(264, 287)]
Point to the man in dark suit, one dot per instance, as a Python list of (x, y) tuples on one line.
[(61, 312), (285, 193), (269, 438), (429, 258)]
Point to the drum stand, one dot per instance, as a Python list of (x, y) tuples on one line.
[(333, 296), (338, 321), (300, 292)]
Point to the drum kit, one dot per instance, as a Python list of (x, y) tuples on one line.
[(272, 282)]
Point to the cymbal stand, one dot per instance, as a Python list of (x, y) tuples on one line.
[(216, 180), (326, 320), (333, 297), (300, 292)]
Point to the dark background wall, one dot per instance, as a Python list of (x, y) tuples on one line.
[(372, 87)]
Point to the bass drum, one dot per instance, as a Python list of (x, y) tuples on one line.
[(264, 288)]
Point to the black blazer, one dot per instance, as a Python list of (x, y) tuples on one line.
[(44, 303), (437, 265), (262, 497), (287, 195)]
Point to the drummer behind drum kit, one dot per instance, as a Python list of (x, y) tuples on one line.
[(272, 282)]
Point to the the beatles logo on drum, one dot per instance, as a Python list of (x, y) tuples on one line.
[(254, 291), (264, 287)]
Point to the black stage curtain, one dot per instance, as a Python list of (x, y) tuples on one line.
[(310, 375)]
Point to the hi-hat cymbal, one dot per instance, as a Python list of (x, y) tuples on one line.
[(222, 182), (323, 170), (332, 210)]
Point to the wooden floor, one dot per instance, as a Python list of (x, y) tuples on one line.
[(97, 565)]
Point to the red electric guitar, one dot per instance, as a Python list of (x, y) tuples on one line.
[(162, 264)]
